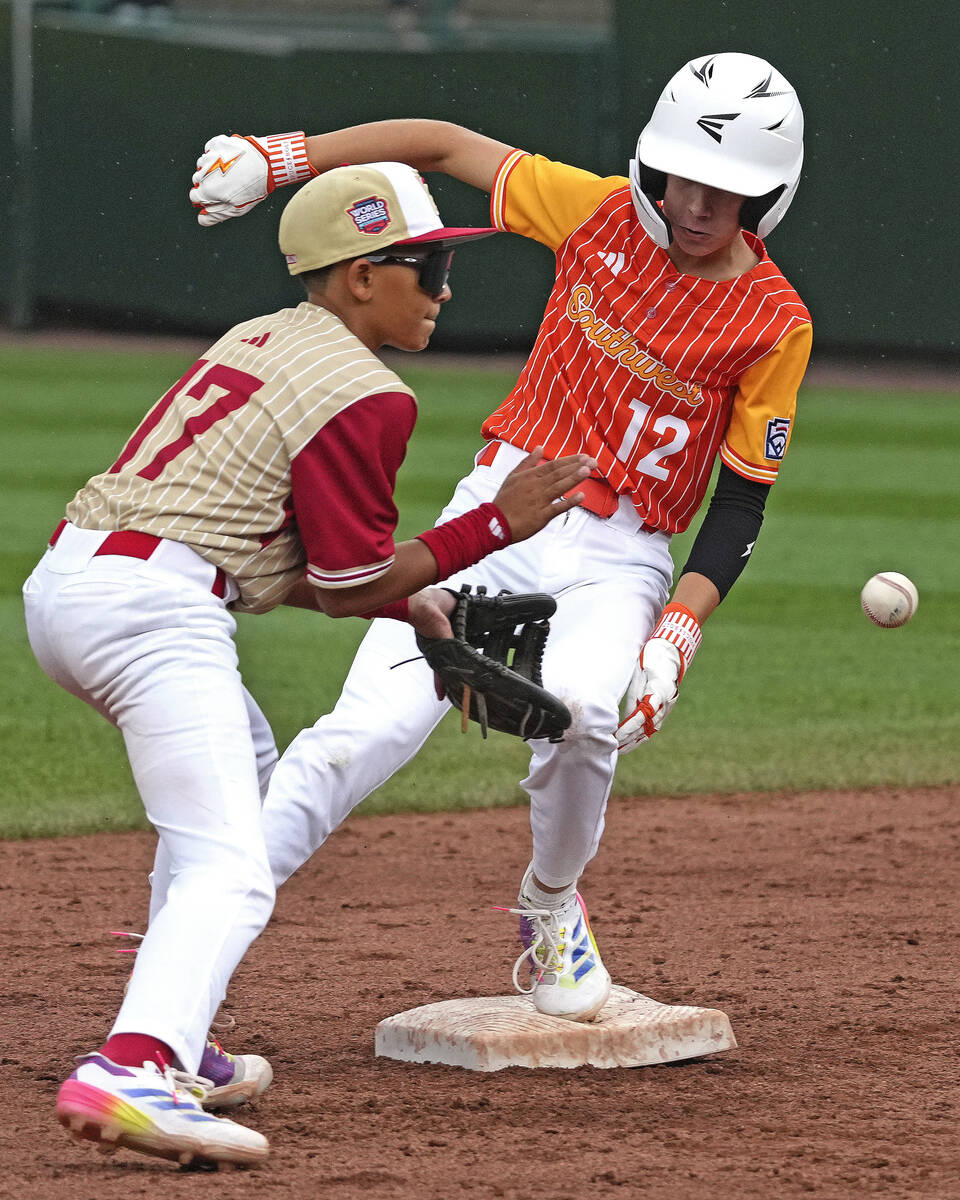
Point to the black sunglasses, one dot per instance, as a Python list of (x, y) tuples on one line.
[(433, 268)]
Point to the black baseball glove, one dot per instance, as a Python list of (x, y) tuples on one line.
[(474, 668)]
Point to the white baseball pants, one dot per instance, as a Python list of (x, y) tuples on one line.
[(611, 580), (150, 647)]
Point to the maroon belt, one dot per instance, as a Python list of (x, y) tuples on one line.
[(129, 543), (598, 496)]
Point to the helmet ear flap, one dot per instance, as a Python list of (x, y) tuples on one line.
[(654, 183), (647, 188), (755, 208)]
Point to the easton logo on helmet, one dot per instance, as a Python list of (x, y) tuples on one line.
[(370, 215), (705, 71), (762, 92), (713, 124)]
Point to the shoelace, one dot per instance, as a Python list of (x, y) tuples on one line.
[(125, 933), (213, 1043), (543, 922), (197, 1087)]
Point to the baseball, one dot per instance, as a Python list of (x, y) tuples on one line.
[(889, 599)]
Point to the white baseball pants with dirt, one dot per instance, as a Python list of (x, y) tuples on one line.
[(611, 579), (149, 646)]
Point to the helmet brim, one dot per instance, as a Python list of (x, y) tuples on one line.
[(739, 176)]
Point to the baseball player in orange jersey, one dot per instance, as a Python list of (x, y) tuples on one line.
[(669, 337), (263, 476)]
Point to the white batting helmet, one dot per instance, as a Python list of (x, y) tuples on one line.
[(730, 121)]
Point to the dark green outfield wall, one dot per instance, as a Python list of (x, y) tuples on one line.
[(120, 122), (871, 239)]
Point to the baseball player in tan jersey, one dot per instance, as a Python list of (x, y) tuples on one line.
[(670, 338), (265, 475)]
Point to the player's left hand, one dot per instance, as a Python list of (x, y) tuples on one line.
[(490, 668), (653, 690), (235, 173), (429, 612)]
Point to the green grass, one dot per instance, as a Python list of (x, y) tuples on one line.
[(793, 687)]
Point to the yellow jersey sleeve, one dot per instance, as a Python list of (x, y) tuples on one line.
[(764, 407), (545, 200)]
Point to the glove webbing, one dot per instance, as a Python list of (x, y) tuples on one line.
[(527, 646), (471, 669)]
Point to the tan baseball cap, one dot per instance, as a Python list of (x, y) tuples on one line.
[(351, 211)]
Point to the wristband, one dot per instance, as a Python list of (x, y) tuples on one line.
[(396, 610), (465, 540), (679, 627), (287, 155)]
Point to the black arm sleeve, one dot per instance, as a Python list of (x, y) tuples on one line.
[(729, 530)]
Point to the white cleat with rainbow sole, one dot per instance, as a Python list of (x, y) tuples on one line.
[(153, 1111)]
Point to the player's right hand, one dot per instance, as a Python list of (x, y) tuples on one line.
[(663, 662), (233, 174), (533, 493), (651, 695)]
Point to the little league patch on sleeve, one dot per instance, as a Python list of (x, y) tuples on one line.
[(776, 442), (370, 215)]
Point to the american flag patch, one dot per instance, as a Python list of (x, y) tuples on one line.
[(775, 445)]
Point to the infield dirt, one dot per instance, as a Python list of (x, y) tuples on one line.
[(824, 924)]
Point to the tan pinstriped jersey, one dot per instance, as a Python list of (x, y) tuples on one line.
[(275, 454), (649, 371)]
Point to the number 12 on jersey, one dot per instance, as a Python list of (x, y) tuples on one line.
[(651, 462)]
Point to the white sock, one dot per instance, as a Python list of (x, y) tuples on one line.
[(539, 898)]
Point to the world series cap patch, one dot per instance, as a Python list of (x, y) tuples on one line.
[(370, 215), (776, 441)]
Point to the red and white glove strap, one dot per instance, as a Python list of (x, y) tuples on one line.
[(679, 627), (287, 155)]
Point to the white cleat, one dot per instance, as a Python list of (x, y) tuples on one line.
[(154, 1112), (567, 976), (235, 1078)]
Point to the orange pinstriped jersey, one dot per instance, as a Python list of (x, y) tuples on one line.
[(649, 371)]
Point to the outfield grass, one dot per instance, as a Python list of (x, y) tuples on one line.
[(793, 687)]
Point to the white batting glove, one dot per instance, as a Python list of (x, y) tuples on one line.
[(235, 173), (664, 658)]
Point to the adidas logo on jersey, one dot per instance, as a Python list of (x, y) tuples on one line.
[(259, 341), (615, 262)]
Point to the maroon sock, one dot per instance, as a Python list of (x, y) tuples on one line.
[(134, 1049)]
